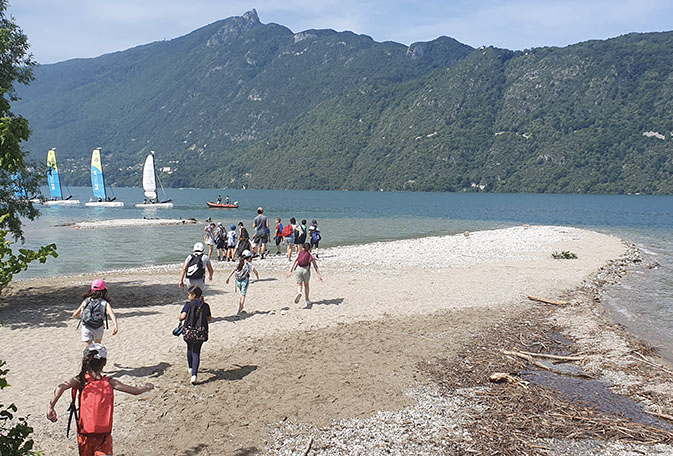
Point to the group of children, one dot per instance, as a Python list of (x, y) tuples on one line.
[(93, 393), (231, 243)]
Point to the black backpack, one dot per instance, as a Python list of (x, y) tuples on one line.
[(92, 315), (196, 323), (195, 268)]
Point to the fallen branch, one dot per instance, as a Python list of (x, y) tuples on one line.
[(499, 377), (549, 301), (652, 363)]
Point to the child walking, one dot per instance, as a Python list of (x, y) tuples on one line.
[(195, 314), (95, 396), (302, 272), (241, 275), (231, 242), (94, 311)]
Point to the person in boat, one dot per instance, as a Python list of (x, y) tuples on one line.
[(226, 199), (219, 199), (144, 200)]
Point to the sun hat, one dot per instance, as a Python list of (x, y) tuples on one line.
[(198, 247), (232, 227), (246, 254), (98, 285), (101, 351), (219, 223)]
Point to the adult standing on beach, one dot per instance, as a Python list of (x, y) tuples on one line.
[(96, 402), (261, 226), (195, 316), (194, 268), (302, 272), (94, 310), (243, 243), (220, 241), (241, 275)]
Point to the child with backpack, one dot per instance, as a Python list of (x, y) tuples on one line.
[(94, 393), (315, 236), (241, 275), (94, 312), (302, 272), (195, 316), (231, 242), (278, 235)]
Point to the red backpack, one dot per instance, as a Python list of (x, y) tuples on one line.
[(96, 406), (287, 231)]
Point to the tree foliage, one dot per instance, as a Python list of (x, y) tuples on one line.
[(14, 431)]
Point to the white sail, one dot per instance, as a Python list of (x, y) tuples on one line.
[(149, 179)]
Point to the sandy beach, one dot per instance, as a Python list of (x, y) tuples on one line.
[(393, 356)]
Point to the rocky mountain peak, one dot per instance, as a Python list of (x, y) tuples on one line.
[(233, 28)]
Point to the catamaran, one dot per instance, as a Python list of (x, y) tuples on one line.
[(100, 197), (54, 182), (150, 179)]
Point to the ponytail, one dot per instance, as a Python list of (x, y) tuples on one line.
[(241, 262), (89, 364)]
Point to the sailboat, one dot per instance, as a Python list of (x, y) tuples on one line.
[(54, 181), (100, 197), (150, 179)]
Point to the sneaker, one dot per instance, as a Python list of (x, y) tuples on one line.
[(189, 369), (297, 298), (193, 380), (308, 304)]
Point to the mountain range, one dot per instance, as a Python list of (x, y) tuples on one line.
[(240, 103)]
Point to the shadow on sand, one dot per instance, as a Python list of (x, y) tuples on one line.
[(230, 375), (51, 305), (147, 371)]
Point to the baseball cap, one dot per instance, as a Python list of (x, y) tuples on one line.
[(98, 285), (232, 227), (246, 254), (198, 247), (101, 351), (314, 222)]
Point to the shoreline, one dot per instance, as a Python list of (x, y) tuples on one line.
[(374, 329)]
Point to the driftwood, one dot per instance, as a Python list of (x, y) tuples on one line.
[(499, 377), (529, 357), (652, 363), (659, 415), (557, 357), (549, 301), (308, 447)]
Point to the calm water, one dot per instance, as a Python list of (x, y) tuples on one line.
[(643, 302)]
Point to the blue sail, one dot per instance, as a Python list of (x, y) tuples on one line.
[(52, 176), (97, 180)]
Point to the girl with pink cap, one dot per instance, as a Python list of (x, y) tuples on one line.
[(94, 312)]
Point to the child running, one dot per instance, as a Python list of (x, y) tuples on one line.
[(94, 311), (242, 277), (302, 272), (195, 314), (95, 396), (278, 237)]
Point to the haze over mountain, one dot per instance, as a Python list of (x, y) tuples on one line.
[(239, 103)]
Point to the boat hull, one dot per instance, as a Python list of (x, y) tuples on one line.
[(69, 202), (155, 205), (221, 205), (104, 204)]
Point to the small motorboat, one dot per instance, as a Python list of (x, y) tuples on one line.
[(233, 205)]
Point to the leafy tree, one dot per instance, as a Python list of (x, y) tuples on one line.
[(17, 184)]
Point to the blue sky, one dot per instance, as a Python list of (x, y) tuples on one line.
[(65, 29)]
